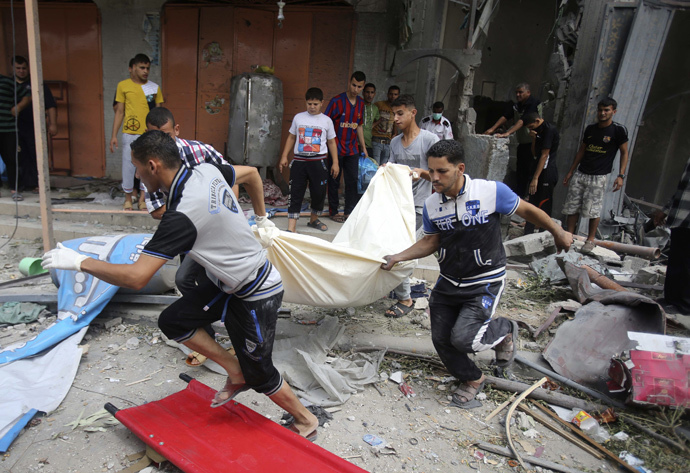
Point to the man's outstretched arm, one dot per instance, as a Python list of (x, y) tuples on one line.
[(541, 219), (132, 276), (422, 248)]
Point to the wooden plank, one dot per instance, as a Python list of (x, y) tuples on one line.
[(489, 447), (500, 407), (586, 437), (99, 211), (566, 435), (36, 66), (512, 408)]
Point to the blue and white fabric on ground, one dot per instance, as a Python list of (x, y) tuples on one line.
[(42, 382)]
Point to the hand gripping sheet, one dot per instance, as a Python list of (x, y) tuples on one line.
[(347, 272), (196, 438)]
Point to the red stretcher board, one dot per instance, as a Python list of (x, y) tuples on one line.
[(232, 438)]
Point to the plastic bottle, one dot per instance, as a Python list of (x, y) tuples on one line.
[(589, 425)]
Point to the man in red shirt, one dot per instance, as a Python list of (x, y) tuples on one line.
[(347, 112)]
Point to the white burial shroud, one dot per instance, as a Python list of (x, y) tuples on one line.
[(347, 272)]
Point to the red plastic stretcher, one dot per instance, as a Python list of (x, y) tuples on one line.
[(232, 438)]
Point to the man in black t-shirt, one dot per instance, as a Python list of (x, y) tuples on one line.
[(591, 167), (28, 167), (545, 141), (525, 104)]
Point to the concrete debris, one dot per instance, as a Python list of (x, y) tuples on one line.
[(528, 244), (524, 421), (603, 254), (423, 429), (421, 303), (632, 264), (396, 377), (110, 323), (549, 269), (651, 275)]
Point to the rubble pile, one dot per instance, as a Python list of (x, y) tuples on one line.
[(578, 359)]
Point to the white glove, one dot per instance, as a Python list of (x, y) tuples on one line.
[(63, 258), (262, 221)]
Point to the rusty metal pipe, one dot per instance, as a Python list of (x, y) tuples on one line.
[(602, 281), (635, 250)]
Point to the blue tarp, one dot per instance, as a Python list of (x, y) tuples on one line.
[(81, 297)]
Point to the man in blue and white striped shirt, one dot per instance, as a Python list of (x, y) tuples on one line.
[(462, 221)]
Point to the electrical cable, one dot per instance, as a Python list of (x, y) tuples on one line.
[(16, 132)]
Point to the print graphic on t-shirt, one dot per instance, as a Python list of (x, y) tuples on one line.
[(132, 124), (228, 201), (597, 149), (473, 216), (309, 140)]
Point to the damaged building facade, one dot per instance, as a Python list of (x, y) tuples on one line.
[(469, 54)]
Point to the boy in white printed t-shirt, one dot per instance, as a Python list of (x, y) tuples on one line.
[(312, 135), (135, 97)]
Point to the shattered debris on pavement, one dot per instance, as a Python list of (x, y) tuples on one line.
[(407, 422)]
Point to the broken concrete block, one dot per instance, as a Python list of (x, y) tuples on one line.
[(487, 156), (112, 322), (599, 251), (549, 269), (528, 244), (632, 264), (651, 275)]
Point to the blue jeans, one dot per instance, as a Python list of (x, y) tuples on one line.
[(382, 151), (404, 290)]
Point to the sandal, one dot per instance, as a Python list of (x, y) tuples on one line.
[(340, 218), (231, 389), (195, 359), (311, 436), (398, 310), (142, 204), (505, 350), (318, 224), (17, 197), (468, 392), (201, 359), (127, 206)]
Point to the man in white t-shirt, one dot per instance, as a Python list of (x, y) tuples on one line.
[(312, 136)]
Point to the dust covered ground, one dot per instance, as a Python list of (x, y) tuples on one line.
[(128, 363)]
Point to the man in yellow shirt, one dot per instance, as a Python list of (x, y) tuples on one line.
[(384, 129), (135, 97)]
